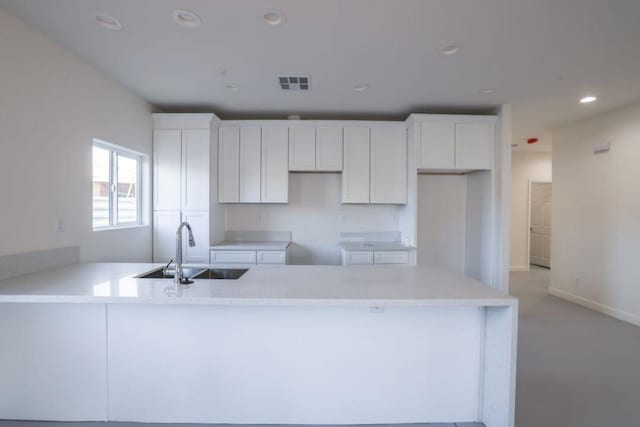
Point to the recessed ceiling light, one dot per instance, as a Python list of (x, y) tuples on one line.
[(587, 99), (487, 91), (107, 21), (186, 18), (274, 18), (361, 87), (450, 49), (232, 86)]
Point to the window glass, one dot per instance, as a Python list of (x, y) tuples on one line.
[(101, 191), (127, 189)]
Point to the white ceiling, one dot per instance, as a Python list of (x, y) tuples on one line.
[(540, 55)]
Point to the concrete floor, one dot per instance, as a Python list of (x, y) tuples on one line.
[(576, 367)]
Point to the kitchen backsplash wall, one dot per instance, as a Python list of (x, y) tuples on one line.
[(315, 217)]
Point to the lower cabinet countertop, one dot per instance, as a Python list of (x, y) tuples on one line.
[(286, 285), (250, 246)]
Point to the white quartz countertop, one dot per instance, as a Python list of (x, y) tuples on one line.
[(285, 285), (251, 246), (375, 246)]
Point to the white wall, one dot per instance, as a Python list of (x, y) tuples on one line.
[(312, 217), (596, 213), (52, 105), (525, 166)]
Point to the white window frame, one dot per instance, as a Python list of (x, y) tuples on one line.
[(114, 152)]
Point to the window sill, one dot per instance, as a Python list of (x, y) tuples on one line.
[(121, 227)]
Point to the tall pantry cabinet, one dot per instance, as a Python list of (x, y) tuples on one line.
[(181, 157)]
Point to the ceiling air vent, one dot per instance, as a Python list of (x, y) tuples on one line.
[(294, 82)]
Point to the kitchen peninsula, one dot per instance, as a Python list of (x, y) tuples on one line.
[(280, 345)]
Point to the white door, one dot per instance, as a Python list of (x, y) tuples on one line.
[(302, 149), (199, 222), (474, 145), (356, 168), (165, 224), (166, 170), (540, 250), (229, 165), (275, 165), (250, 164), (195, 169), (437, 144), (388, 164), (329, 148)]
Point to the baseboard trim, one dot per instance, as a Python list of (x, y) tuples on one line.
[(519, 268), (602, 308)]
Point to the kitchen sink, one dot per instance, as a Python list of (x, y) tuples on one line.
[(158, 273), (196, 273), (220, 273)]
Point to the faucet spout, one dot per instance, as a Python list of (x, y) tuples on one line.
[(179, 278)]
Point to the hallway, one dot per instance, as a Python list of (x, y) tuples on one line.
[(576, 367)]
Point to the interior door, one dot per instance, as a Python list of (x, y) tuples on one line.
[(540, 250)]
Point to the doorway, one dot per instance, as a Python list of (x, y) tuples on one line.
[(540, 193)]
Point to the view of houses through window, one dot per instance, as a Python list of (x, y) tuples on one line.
[(116, 176)]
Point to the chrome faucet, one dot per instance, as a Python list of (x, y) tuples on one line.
[(178, 277)]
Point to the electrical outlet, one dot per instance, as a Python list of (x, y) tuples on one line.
[(60, 225), (376, 309), (260, 217)]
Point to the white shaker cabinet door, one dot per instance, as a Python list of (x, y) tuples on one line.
[(199, 222), (474, 145), (356, 168), (329, 149), (302, 148), (195, 169), (165, 224), (250, 164), (166, 169), (229, 165), (388, 164), (437, 145), (275, 164)]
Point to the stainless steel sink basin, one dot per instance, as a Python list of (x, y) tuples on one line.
[(220, 273), (196, 273), (158, 273)]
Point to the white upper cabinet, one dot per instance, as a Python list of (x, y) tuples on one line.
[(455, 142), (195, 167), (329, 148), (250, 164), (388, 164), (356, 168), (475, 142), (437, 144), (229, 165), (166, 169), (275, 164), (302, 148)]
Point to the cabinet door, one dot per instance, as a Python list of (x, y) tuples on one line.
[(250, 164), (302, 149), (233, 257), (195, 169), (275, 165), (437, 144), (166, 170), (199, 222), (391, 257), (388, 164), (474, 145), (357, 257), (165, 224), (229, 165), (271, 257), (356, 168), (329, 149)]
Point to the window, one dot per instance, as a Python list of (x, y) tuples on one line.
[(116, 186)]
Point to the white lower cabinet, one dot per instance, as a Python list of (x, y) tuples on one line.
[(374, 257), (248, 257)]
